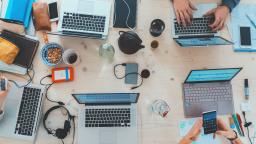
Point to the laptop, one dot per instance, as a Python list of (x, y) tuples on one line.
[(22, 113), (85, 18), (207, 90), (108, 118), (198, 33)]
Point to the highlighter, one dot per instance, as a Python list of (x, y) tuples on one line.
[(246, 89)]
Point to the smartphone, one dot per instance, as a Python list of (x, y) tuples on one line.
[(210, 122), (3, 84), (53, 11), (245, 37), (131, 72)]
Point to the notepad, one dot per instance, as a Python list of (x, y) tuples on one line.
[(186, 125)]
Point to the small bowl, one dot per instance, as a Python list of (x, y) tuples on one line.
[(44, 55)]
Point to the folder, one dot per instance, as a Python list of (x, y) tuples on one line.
[(19, 10)]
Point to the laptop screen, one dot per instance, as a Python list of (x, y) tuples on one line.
[(106, 98), (188, 42), (212, 75)]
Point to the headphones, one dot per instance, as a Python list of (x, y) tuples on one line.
[(60, 133)]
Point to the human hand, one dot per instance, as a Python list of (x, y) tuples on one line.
[(220, 13), (195, 130), (224, 130), (184, 11)]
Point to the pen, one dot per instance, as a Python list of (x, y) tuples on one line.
[(240, 123), (232, 123), (246, 89), (254, 25)]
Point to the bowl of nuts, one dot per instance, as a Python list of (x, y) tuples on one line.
[(51, 54)]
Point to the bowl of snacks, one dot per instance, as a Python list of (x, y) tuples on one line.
[(51, 54)]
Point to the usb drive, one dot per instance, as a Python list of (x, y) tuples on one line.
[(246, 89)]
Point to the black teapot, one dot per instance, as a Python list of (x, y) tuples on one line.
[(129, 42)]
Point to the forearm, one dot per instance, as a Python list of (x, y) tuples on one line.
[(185, 140), (237, 141), (230, 3)]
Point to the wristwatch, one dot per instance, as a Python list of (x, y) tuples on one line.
[(232, 139)]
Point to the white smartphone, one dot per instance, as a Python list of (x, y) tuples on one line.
[(53, 10), (245, 37)]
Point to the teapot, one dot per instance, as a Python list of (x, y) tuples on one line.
[(129, 42)]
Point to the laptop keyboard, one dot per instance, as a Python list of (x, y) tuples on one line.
[(115, 117), (83, 22), (197, 26), (207, 94), (28, 111)]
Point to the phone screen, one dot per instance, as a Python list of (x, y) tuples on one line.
[(245, 36), (210, 122), (53, 10)]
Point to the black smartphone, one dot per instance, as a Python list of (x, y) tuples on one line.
[(245, 37), (53, 10), (131, 70), (210, 122)]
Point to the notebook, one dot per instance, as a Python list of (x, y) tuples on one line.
[(27, 46), (19, 10), (122, 14)]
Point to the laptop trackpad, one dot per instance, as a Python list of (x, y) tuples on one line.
[(108, 137), (209, 107)]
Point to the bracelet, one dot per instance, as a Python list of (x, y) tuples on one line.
[(232, 139)]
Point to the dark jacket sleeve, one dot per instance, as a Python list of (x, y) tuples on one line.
[(230, 3)]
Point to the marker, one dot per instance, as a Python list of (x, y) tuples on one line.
[(232, 123), (240, 123), (250, 19), (246, 89)]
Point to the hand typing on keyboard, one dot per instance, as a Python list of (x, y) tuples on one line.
[(220, 13), (184, 12)]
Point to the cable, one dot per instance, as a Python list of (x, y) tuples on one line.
[(62, 141), (31, 77), (247, 124), (48, 86), (134, 73), (74, 129)]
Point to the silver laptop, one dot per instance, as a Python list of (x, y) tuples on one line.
[(108, 118), (85, 18), (198, 33), (22, 113), (206, 90)]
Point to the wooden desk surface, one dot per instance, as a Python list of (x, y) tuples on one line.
[(169, 65)]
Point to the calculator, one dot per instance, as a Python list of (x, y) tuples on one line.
[(210, 122)]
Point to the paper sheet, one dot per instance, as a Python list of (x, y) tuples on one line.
[(238, 19), (186, 125)]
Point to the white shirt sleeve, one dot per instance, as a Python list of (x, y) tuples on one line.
[(1, 115)]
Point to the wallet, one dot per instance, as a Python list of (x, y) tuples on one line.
[(8, 51), (11, 25), (41, 17)]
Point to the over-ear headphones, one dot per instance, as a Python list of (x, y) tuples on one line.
[(60, 133)]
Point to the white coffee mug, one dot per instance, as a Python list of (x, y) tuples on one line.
[(71, 57)]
